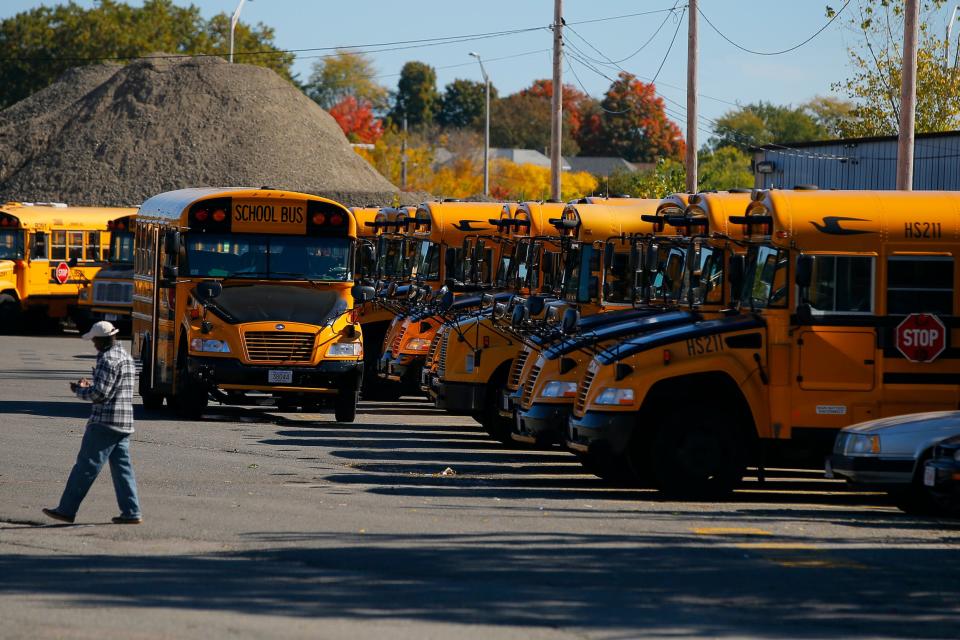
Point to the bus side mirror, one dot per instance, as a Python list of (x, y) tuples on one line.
[(571, 317), (804, 271), (367, 258), (171, 243), (650, 261), (209, 289), (450, 262), (737, 267), (446, 300), (362, 293), (608, 255)]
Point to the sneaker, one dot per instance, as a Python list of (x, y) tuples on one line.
[(128, 520), (56, 515)]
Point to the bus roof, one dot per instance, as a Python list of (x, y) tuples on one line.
[(450, 222), (859, 220), (717, 207), (539, 215), (597, 222), (48, 216), (364, 215), (171, 205)]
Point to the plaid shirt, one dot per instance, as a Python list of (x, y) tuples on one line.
[(111, 391)]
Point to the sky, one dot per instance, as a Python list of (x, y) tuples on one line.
[(728, 76)]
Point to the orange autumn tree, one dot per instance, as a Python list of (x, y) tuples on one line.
[(357, 121)]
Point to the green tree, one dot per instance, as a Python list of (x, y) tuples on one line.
[(723, 169), (763, 123), (38, 45), (463, 103), (523, 122), (831, 113), (877, 61), (632, 124), (416, 98), (668, 176), (346, 75)]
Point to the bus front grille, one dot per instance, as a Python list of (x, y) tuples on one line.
[(395, 346), (583, 391), (113, 292), (278, 346), (528, 385), (442, 358), (514, 382)]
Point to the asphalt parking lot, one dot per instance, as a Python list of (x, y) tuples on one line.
[(411, 523)]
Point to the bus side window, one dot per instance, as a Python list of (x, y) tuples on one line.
[(38, 246), (75, 244), (58, 245), (917, 284), (93, 246), (842, 284)]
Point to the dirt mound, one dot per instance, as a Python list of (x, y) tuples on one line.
[(111, 135)]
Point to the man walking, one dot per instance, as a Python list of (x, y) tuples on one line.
[(107, 436)]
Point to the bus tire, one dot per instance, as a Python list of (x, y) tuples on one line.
[(191, 397), (697, 454), (917, 500), (614, 470), (345, 404), (9, 313), (496, 426)]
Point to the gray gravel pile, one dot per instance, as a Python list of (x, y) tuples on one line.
[(113, 136)]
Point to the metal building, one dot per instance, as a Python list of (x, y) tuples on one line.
[(859, 163)]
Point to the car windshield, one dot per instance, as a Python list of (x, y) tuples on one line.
[(765, 280), (121, 247), (269, 256), (391, 257), (11, 244), (426, 261)]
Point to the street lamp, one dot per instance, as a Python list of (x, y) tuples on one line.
[(234, 19), (486, 129)]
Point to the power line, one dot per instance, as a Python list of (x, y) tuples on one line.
[(670, 48), (774, 53)]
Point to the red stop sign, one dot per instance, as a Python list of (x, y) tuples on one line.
[(62, 273), (921, 337)]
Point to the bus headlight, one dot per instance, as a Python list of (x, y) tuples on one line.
[(344, 349), (417, 344), (859, 444), (559, 389), (614, 395), (209, 346)]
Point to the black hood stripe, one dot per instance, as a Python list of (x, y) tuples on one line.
[(674, 333), (654, 320)]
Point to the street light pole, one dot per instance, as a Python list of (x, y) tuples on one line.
[(486, 129), (234, 19)]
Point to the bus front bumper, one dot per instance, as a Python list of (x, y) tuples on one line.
[(461, 398), (601, 432), (229, 373), (542, 423)]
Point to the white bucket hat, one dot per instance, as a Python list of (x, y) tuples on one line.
[(102, 329)]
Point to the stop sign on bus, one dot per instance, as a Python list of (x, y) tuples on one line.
[(62, 273), (921, 337)]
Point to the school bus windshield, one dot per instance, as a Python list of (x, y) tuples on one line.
[(708, 262), (11, 244), (391, 257), (765, 281), (426, 261), (121, 247), (269, 256)]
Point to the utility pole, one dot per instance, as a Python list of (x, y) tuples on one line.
[(692, 54), (403, 157), (486, 128), (908, 96), (556, 123)]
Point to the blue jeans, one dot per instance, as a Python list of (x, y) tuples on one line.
[(99, 445)]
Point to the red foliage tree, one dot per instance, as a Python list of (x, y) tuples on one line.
[(357, 120), (632, 124), (574, 101)]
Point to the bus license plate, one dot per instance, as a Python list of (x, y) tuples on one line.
[(929, 476), (279, 376)]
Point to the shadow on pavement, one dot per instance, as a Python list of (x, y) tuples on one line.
[(619, 584)]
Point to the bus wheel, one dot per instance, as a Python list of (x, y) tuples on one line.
[(345, 404), (612, 469), (9, 314), (151, 401), (191, 397), (696, 454), (496, 426)]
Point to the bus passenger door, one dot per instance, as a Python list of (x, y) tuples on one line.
[(835, 355), (165, 358)]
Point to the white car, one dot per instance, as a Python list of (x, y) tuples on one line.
[(889, 453)]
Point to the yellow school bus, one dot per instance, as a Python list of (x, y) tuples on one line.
[(835, 287), (246, 291), (109, 295), (452, 243), (47, 253)]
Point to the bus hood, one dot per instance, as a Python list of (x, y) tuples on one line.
[(239, 303)]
